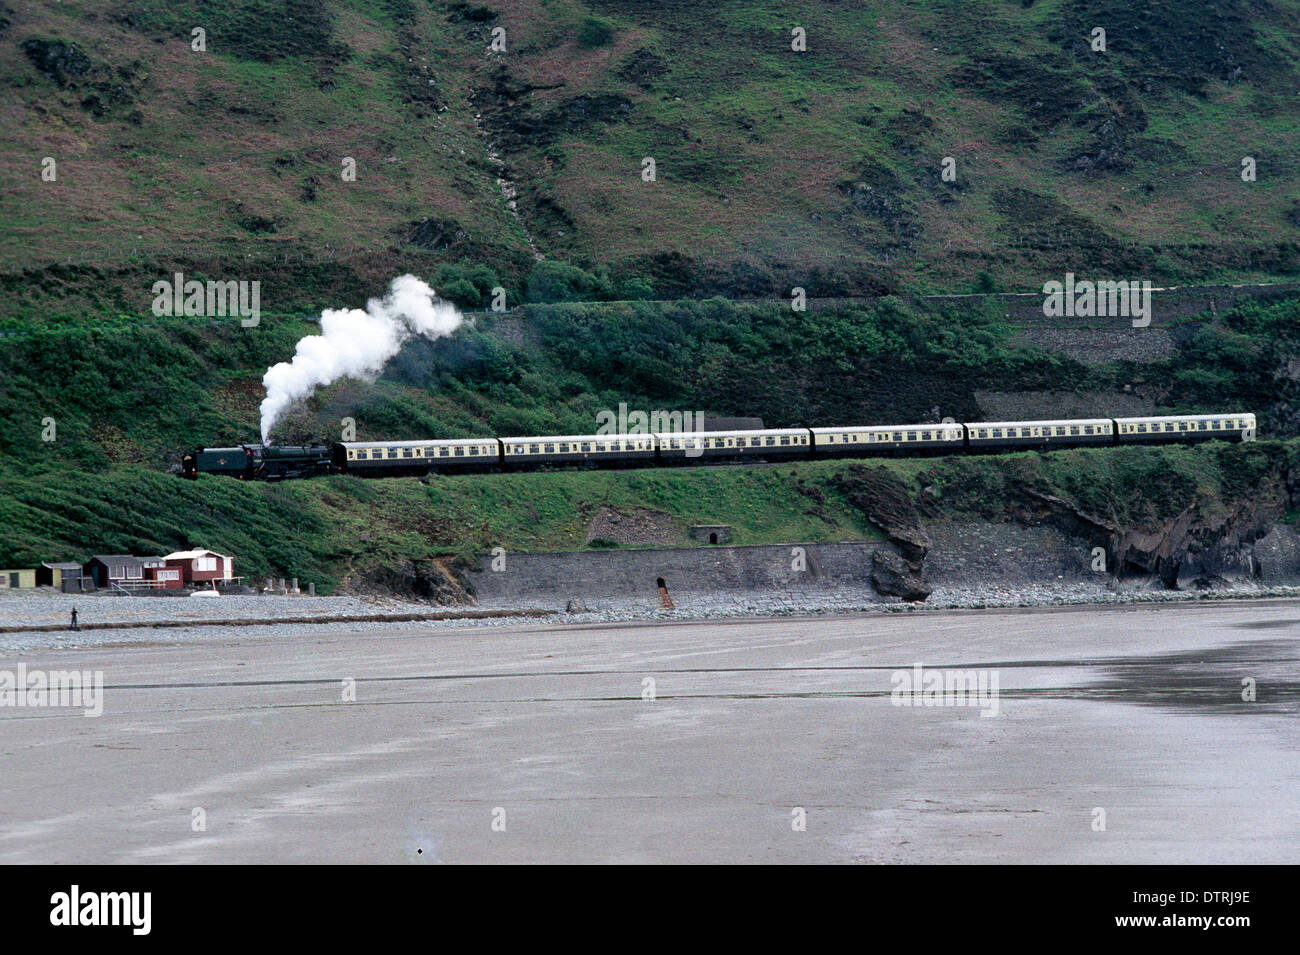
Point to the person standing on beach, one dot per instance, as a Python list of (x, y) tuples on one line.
[(74, 620)]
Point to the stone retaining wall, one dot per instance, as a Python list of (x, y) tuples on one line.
[(628, 577)]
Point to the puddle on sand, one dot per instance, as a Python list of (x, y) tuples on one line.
[(1209, 680)]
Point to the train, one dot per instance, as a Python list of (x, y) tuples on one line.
[(271, 462)]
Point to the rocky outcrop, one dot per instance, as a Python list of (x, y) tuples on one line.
[(1190, 549), (894, 576), (885, 502), (433, 580), (1277, 556)]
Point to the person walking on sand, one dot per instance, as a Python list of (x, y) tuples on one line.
[(74, 620)]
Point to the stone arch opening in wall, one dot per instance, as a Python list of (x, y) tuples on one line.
[(713, 537)]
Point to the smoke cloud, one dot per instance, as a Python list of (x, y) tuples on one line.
[(356, 344)]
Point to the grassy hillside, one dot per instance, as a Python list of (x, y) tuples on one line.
[(123, 393), (126, 400), (132, 155), (774, 167), (331, 529)]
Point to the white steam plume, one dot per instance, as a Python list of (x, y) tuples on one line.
[(356, 344)]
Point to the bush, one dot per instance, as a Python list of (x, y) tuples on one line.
[(595, 32), (560, 282), (637, 289), (462, 293), (468, 285)]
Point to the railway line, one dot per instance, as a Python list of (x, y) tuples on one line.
[(668, 449)]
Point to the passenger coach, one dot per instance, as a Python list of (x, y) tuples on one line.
[(1201, 427), (598, 449), (903, 438), (689, 446), (1040, 434), (417, 457)]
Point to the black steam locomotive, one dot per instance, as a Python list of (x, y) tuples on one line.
[(260, 462)]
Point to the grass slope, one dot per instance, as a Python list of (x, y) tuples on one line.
[(775, 168), (328, 529)]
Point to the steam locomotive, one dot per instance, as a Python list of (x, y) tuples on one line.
[(252, 462), (259, 462)]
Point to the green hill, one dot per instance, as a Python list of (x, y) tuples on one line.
[(774, 168), (134, 151)]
